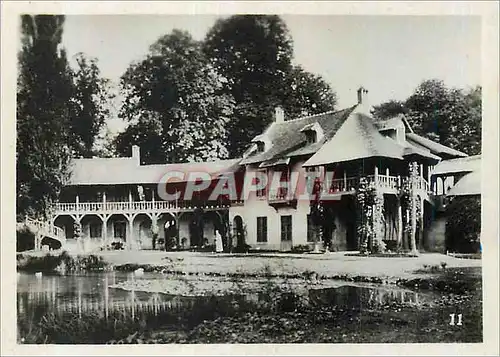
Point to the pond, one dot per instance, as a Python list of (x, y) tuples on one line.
[(153, 293)]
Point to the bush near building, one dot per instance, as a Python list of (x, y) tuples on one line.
[(463, 226)]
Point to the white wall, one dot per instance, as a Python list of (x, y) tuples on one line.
[(259, 207)]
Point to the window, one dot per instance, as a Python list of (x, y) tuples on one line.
[(95, 230), (311, 136), (262, 192), (261, 146), (286, 228), (261, 229), (282, 192)]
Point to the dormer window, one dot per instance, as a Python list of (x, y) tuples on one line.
[(262, 144), (313, 133), (311, 136)]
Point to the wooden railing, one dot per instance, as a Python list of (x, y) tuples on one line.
[(388, 182), (422, 184), (131, 207), (46, 229)]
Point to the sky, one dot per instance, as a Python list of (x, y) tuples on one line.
[(388, 55)]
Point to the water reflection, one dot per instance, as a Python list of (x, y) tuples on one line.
[(78, 294), (358, 297)]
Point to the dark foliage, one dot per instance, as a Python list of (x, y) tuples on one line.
[(174, 104), (44, 90), (25, 239), (254, 55), (463, 225), (50, 263), (90, 106), (449, 116)]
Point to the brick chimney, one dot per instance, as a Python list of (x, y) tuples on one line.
[(136, 153), (279, 115), (362, 96)]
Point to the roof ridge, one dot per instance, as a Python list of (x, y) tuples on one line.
[(318, 114)]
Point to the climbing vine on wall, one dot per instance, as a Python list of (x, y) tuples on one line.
[(77, 231), (409, 198), (318, 219), (370, 212), (378, 222), (364, 200)]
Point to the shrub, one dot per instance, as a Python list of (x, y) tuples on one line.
[(243, 248), (463, 225), (25, 239), (302, 248), (60, 263), (170, 243), (117, 245)]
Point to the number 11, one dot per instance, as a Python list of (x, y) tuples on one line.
[(459, 322)]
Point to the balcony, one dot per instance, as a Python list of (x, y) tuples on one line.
[(131, 207), (347, 185), (385, 183)]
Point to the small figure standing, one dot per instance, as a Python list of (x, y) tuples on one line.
[(218, 242)]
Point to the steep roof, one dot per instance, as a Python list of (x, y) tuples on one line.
[(357, 138), (288, 140), (434, 147), (470, 184), (121, 171), (459, 165)]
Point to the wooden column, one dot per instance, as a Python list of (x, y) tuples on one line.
[(413, 246), (154, 229), (130, 238), (105, 230), (421, 230)]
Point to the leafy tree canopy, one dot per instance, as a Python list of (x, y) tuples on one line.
[(448, 115), (90, 106), (254, 54), (175, 104), (43, 108)]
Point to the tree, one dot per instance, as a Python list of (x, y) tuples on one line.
[(254, 54), (43, 108), (463, 224), (305, 93), (175, 104), (389, 109), (450, 116), (90, 99)]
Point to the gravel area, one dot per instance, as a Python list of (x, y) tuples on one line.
[(328, 265)]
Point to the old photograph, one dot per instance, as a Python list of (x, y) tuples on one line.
[(248, 179)]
